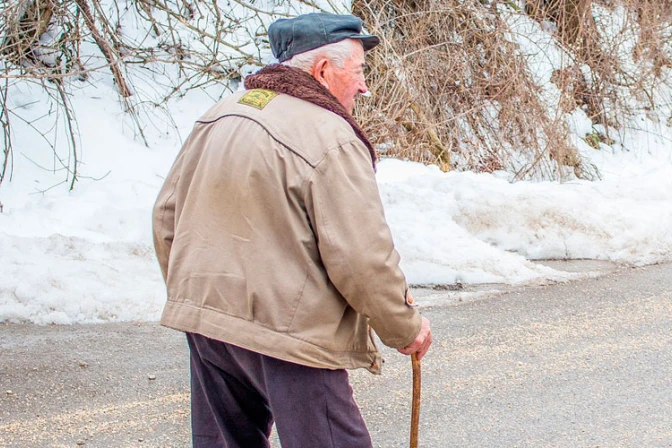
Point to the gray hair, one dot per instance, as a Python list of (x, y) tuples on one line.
[(337, 53)]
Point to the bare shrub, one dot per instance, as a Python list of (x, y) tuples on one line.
[(617, 72), (449, 88), (576, 25), (579, 33), (653, 52), (42, 43), (25, 22)]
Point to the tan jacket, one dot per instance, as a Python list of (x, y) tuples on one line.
[(271, 236)]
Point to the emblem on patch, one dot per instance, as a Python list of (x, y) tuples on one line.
[(258, 98)]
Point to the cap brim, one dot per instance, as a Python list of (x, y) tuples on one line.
[(369, 41)]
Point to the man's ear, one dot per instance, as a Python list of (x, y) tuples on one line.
[(319, 72)]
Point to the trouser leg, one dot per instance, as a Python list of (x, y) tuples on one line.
[(314, 407), (227, 411), (236, 394)]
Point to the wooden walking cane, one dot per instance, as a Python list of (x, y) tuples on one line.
[(415, 409)]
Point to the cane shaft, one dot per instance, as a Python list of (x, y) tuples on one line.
[(415, 409)]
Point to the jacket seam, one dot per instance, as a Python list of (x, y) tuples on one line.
[(173, 188), (298, 302), (274, 137)]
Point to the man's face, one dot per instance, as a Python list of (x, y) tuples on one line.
[(348, 82)]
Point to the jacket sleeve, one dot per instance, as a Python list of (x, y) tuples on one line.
[(356, 245), (163, 220)]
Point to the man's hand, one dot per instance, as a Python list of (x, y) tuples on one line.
[(422, 341)]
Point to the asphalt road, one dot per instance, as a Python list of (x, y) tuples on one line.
[(583, 364)]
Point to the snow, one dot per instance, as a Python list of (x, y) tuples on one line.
[(479, 228), (86, 255)]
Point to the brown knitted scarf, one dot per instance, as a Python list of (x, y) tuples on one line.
[(299, 84)]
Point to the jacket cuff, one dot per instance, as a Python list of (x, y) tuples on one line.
[(400, 337)]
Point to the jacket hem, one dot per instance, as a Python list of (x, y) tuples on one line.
[(250, 336)]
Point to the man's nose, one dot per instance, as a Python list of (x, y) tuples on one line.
[(363, 89)]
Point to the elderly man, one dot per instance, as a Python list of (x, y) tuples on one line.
[(278, 261)]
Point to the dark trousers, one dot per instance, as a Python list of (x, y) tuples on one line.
[(237, 394)]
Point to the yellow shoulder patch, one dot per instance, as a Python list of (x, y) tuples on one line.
[(258, 98)]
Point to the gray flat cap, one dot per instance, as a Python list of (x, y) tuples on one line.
[(289, 37)]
